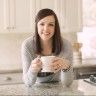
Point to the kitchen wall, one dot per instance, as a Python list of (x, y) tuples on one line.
[(10, 49)]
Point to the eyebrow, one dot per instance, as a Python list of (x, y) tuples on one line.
[(51, 22)]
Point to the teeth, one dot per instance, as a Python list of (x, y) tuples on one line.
[(46, 33)]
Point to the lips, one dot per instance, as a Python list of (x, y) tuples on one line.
[(46, 33)]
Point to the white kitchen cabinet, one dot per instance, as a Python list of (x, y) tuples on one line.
[(1, 15), (16, 16), (69, 13), (22, 16), (19, 15)]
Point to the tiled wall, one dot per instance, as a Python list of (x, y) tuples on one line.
[(10, 49)]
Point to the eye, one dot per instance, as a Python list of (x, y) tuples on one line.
[(42, 24), (51, 24)]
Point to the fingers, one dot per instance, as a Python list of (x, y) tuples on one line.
[(36, 64), (37, 60), (56, 62), (38, 56), (55, 59), (56, 67), (59, 63), (66, 64)]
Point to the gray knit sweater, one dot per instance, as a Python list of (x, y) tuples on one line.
[(30, 77)]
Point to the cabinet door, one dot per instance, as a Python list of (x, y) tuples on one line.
[(19, 15), (1, 15), (40, 4), (69, 13), (4, 16), (22, 16), (15, 16)]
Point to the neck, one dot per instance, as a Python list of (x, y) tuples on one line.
[(47, 47), (46, 44)]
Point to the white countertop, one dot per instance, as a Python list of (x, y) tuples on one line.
[(78, 87), (85, 63), (88, 89)]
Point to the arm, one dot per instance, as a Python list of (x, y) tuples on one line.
[(29, 77), (64, 63), (67, 75)]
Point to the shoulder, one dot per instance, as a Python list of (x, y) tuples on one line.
[(66, 49), (66, 42), (27, 43), (67, 45)]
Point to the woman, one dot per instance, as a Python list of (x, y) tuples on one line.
[(47, 41)]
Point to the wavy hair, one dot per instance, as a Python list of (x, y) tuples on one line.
[(57, 40)]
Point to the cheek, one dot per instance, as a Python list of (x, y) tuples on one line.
[(52, 30), (39, 30)]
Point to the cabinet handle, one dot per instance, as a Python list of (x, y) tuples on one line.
[(8, 78), (13, 27), (8, 27)]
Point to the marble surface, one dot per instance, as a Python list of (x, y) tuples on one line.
[(11, 78), (78, 87), (87, 88), (44, 89)]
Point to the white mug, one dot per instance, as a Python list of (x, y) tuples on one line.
[(46, 63)]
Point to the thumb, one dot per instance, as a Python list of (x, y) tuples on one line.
[(39, 56)]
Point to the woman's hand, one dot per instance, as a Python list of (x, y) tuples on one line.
[(59, 64), (36, 65)]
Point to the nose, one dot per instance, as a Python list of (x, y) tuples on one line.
[(45, 27)]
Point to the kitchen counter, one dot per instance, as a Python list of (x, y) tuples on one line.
[(85, 69), (78, 87), (86, 63)]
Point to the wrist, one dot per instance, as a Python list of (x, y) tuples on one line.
[(67, 69), (66, 66)]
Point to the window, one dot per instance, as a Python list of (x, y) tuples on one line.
[(88, 36)]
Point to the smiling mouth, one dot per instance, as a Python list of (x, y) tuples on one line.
[(46, 33)]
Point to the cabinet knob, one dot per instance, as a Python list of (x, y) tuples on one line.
[(13, 27), (7, 27), (7, 78), (10, 27)]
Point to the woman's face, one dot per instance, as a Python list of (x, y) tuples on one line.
[(46, 27)]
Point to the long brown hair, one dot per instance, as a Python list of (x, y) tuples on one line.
[(57, 41)]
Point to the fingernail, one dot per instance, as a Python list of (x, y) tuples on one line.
[(39, 56)]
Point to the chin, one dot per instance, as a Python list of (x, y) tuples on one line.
[(46, 38)]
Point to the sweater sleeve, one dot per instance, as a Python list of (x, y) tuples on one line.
[(29, 77), (67, 76)]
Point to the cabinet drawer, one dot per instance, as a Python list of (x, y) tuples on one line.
[(11, 78)]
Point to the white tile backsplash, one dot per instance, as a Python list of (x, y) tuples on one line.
[(10, 50)]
